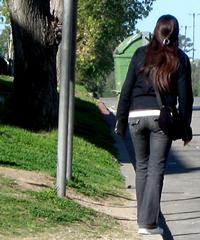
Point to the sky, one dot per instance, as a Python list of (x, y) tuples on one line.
[(183, 10)]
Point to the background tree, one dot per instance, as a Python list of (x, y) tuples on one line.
[(4, 41), (196, 77), (36, 36), (185, 43), (35, 27), (187, 46), (6, 30), (101, 26)]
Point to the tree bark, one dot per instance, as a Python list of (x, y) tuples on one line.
[(36, 36)]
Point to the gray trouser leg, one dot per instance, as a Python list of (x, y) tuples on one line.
[(151, 151)]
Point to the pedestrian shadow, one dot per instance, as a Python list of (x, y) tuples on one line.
[(128, 143), (167, 233), (196, 108), (175, 164), (188, 234)]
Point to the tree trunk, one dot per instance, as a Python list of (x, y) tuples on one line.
[(36, 33), (57, 11)]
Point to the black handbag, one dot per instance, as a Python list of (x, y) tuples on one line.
[(169, 120)]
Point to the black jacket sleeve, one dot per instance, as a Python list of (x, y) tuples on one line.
[(185, 95), (125, 97)]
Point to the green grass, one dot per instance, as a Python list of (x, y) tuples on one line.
[(6, 83), (95, 167), (95, 172), (27, 150), (26, 212)]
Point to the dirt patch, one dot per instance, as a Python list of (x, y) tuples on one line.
[(121, 208), (28, 179)]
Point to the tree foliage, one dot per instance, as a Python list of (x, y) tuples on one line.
[(196, 77), (4, 38), (4, 11), (5, 34), (185, 43), (102, 24)]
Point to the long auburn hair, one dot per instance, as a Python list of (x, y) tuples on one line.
[(161, 59)]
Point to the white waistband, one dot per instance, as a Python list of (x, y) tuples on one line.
[(144, 113)]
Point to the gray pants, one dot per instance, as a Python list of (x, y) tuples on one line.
[(151, 147)]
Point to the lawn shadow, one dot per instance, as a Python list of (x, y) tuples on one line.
[(6, 101), (90, 124), (8, 164), (6, 86)]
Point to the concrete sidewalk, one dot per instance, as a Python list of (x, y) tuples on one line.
[(180, 202)]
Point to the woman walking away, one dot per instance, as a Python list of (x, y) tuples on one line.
[(160, 66)]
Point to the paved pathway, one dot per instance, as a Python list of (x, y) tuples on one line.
[(181, 193)]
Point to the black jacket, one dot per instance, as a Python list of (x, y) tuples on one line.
[(138, 93)]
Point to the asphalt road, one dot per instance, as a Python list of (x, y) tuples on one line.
[(181, 192)]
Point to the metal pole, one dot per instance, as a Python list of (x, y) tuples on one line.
[(64, 97), (185, 37), (70, 131), (193, 36), (71, 96)]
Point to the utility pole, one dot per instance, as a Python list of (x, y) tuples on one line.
[(66, 93), (185, 37), (193, 36), (71, 95), (185, 34), (194, 28)]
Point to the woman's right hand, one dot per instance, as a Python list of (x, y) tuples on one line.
[(187, 136), (186, 142)]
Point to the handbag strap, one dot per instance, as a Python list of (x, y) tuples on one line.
[(158, 97)]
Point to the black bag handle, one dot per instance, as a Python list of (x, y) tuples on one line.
[(158, 97)]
